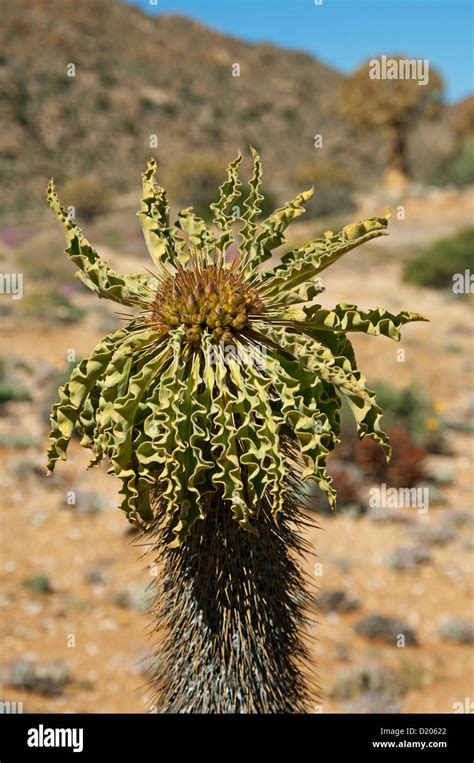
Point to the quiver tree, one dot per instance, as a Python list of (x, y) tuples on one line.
[(212, 405), (392, 104)]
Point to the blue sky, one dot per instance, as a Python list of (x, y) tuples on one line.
[(344, 33)]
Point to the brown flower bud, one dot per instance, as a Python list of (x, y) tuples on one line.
[(192, 302)]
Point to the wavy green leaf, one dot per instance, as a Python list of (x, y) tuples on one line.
[(93, 271)]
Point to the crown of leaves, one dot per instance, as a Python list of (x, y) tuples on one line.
[(190, 419)]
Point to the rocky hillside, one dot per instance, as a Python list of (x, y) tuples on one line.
[(85, 86), (137, 76)]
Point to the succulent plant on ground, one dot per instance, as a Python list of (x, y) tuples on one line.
[(213, 404)]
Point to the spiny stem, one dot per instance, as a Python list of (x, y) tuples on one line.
[(230, 614)]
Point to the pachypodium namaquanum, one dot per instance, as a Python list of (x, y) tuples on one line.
[(214, 404)]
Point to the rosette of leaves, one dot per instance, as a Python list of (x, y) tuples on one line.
[(212, 404)]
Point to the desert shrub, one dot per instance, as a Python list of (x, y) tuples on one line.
[(437, 263), (88, 195), (11, 389), (406, 467), (346, 487), (333, 185), (48, 679), (357, 460), (371, 676), (19, 440), (408, 406), (289, 114), (38, 584)]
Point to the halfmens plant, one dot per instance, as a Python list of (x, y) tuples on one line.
[(213, 404)]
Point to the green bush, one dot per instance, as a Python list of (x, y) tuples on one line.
[(19, 440), (411, 408), (408, 406), (436, 264), (11, 390), (38, 583)]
